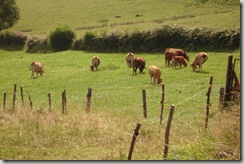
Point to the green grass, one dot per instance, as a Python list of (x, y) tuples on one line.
[(116, 107), (41, 17), (116, 104)]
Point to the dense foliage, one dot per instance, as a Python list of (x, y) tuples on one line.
[(197, 39), (9, 14), (61, 39), (12, 40)]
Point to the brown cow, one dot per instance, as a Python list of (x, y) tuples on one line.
[(178, 60), (200, 58), (36, 67), (155, 73), (138, 62), (170, 52), (95, 62), (129, 58)]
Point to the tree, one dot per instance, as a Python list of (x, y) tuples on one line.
[(9, 13)]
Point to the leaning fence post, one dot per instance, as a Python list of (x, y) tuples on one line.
[(162, 105), (133, 140), (144, 103), (88, 103), (172, 108), (14, 96), (49, 101), (31, 105), (22, 96), (4, 100), (208, 100)]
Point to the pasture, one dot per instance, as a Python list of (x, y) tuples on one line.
[(105, 16), (116, 106)]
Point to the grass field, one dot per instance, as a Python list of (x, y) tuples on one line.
[(116, 106), (41, 17)]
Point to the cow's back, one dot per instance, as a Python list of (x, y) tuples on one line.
[(95, 62)]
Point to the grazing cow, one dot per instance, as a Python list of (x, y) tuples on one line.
[(138, 62), (129, 58), (95, 62), (36, 67), (155, 73), (178, 60), (200, 58), (170, 52)]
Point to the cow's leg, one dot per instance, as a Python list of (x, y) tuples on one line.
[(32, 74), (134, 71)]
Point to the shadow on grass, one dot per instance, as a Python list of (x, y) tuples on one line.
[(202, 72)]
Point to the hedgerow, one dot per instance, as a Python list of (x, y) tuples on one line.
[(61, 39)]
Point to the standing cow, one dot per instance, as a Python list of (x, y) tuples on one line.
[(155, 73), (138, 62), (36, 67), (95, 63), (200, 58), (129, 59), (170, 52)]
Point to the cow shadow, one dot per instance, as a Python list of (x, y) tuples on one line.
[(202, 72)]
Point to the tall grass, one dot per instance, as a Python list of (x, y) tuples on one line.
[(116, 106)]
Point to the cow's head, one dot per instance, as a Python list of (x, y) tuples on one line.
[(92, 68), (159, 81), (194, 67), (42, 72)]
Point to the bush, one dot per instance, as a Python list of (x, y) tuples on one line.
[(36, 44), (61, 39), (198, 39), (12, 40)]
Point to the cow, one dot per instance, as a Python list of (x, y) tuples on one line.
[(129, 58), (138, 62), (178, 60), (155, 73), (200, 58), (95, 63), (170, 52), (36, 67)]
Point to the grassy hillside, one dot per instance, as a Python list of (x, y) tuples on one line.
[(116, 107), (40, 17)]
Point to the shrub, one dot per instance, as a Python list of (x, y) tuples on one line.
[(198, 39), (61, 39), (12, 40), (36, 44)]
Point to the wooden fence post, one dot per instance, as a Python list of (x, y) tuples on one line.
[(64, 102), (49, 102), (221, 96), (136, 130), (14, 96), (208, 101), (172, 108), (4, 100), (22, 96), (31, 105), (88, 102), (144, 103), (162, 105), (229, 79)]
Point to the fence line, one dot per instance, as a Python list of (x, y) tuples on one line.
[(190, 97)]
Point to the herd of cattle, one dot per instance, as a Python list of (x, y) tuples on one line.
[(177, 56)]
